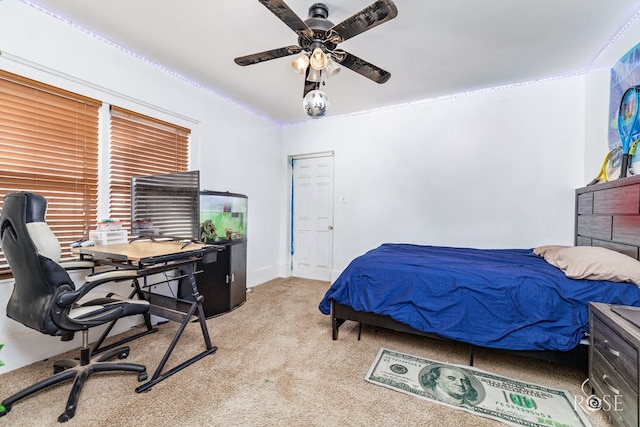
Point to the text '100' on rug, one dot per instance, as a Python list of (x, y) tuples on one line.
[(476, 391)]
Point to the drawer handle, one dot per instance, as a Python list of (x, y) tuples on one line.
[(616, 353), (612, 388)]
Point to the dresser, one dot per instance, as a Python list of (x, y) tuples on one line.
[(613, 364), (608, 215)]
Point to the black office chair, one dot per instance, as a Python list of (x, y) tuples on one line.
[(45, 298)]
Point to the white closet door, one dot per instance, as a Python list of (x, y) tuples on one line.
[(312, 201)]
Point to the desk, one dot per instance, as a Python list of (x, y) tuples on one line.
[(151, 257)]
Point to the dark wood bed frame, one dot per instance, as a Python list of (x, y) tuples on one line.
[(606, 214)]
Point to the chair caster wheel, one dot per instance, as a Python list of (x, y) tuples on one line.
[(65, 417), (4, 410), (57, 370), (123, 355), (142, 376)]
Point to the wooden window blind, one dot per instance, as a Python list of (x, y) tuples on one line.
[(49, 146), (141, 146)]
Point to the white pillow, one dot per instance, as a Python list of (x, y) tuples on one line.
[(592, 262)]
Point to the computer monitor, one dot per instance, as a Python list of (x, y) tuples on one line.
[(166, 206)]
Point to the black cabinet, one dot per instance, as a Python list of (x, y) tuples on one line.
[(222, 283)]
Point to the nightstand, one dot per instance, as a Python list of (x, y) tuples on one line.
[(613, 363)]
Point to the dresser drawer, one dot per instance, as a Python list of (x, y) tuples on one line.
[(617, 396), (620, 354)]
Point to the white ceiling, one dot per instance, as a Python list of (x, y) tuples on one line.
[(432, 48)]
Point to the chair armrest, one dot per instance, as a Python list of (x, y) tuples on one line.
[(107, 276), (78, 264), (67, 299)]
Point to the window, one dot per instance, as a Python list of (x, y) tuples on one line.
[(141, 146), (49, 145)]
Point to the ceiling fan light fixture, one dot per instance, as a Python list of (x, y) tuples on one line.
[(318, 59), (315, 104), (301, 64), (331, 69), (314, 75)]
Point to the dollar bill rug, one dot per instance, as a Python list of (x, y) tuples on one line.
[(476, 391)]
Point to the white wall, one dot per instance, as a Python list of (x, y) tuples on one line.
[(489, 169), (503, 175), (231, 145)]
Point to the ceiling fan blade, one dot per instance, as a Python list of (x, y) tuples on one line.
[(288, 16), (361, 66), (371, 16), (268, 55)]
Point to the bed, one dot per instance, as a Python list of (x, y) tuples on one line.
[(532, 301)]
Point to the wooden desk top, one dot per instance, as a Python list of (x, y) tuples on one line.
[(138, 250)]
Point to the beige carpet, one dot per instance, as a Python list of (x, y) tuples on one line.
[(276, 366)]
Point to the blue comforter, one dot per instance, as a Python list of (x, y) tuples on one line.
[(500, 298)]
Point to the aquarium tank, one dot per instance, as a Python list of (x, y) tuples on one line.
[(223, 217)]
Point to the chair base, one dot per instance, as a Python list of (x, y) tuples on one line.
[(80, 371)]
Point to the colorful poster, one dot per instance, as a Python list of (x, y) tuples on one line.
[(624, 74)]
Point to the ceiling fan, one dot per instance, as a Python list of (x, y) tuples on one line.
[(318, 40)]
